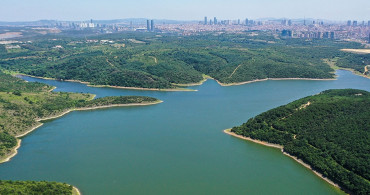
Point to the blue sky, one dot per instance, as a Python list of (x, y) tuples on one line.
[(28, 10)]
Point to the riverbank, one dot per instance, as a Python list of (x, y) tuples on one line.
[(15, 149), (273, 79), (75, 191), (109, 86), (205, 78), (332, 65), (228, 131)]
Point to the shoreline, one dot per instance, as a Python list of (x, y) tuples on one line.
[(15, 150), (75, 191), (138, 88), (205, 78), (273, 79), (108, 86), (228, 131)]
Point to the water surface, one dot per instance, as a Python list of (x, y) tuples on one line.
[(176, 147)]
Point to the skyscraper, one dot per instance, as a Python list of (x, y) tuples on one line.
[(215, 21), (354, 23), (205, 20), (246, 22), (290, 22), (148, 25), (368, 23), (152, 25), (332, 35), (349, 23), (238, 21)]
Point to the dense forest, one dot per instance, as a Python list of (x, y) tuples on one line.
[(33, 187), (330, 131), (148, 60)]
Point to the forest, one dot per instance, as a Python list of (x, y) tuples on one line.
[(329, 131), (149, 60), (33, 188)]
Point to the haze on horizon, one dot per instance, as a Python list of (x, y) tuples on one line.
[(75, 10)]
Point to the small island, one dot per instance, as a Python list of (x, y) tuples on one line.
[(23, 105), (328, 133)]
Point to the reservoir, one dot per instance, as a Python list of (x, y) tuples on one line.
[(176, 147)]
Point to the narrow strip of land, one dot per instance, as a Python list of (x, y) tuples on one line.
[(14, 150)]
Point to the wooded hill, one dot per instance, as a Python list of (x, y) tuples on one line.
[(329, 131), (158, 61)]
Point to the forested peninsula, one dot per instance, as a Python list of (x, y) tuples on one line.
[(329, 131), (151, 61), (24, 104)]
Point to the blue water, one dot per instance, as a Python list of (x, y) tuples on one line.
[(176, 147)]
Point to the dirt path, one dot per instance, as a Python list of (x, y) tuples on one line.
[(155, 59), (234, 71), (109, 62)]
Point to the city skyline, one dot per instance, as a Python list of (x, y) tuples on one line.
[(31, 10)]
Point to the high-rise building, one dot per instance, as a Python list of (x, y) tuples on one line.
[(354, 23), (205, 20), (349, 23), (215, 21), (238, 21), (363, 23), (368, 23), (290, 22), (152, 25), (148, 25), (246, 21), (332, 35)]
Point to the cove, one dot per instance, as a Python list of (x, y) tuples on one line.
[(176, 147)]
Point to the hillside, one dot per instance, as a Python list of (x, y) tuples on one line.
[(329, 131), (150, 61)]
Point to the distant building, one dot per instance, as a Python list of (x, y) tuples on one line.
[(290, 22), (368, 23), (332, 35), (354, 23), (152, 25), (283, 22), (238, 21), (214, 20), (349, 23), (148, 25), (286, 33), (246, 22), (205, 20)]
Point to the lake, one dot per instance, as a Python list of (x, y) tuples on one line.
[(176, 147)]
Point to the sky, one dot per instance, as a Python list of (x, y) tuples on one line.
[(77, 10)]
